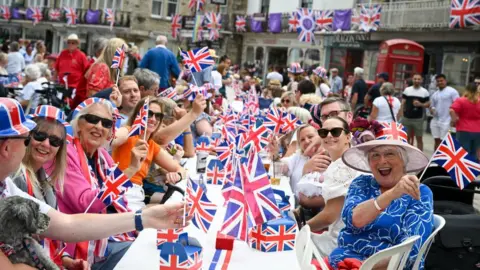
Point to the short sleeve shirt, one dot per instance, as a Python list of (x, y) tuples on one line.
[(441, 101), (410, 94)]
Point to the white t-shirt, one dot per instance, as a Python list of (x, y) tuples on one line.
[(384, 114), (16, 62), (295, 162), (28, 93), (12, 190), (217, 80), (323, 90), (441, 100), (275, 76)]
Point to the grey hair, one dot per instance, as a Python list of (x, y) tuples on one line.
[(401, 151), (358, 71), (32, 71), (99, 44), (146, 78), (43, 69), (387, 89), (88, 109), (301, 113), (161, 40), (14, 46)]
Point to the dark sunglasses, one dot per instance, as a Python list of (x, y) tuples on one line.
[(158, 115), (26, 139), (285, 100), (336, 132), (93, 119), (42, 136)]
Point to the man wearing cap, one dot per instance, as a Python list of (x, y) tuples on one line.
[(71, 62), (374, 91), (336, 82), (14, 137), (162, 61)]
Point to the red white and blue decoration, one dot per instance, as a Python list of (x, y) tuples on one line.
[(355, 21), (290, 123), (55, 114), (13, 122), (324, 20), (215, 172), (370, 17), (36, 15), (293, 22), (110, 17), (456, 161), (6, 15), (176, 25), (71, 15), (118, 57), (392, 131), (274, 120), (283, 201), (202, 209), (54, 14), (170, 93), (139, 126), (240, 24), (115, 185), (196, 5), (198, 59), (186, 253), (464, 13), (203, 144), (320, 72), (168, 235), (307, 25), (214, 24), (274, 236)]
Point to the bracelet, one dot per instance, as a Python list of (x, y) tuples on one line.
[(138, 221), (375, 203), (187, 133)]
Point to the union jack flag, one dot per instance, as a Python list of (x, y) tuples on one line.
[(240, 24), (355, 20), (175, 262), (216, 138), (257, 137), (370, 17), (54, 14), (54, 249), (36, 15), (293, 22), (214, 24), (324, 20), (198, 59), (169, 93), (5, 12), (118, 57), (273, 238), (168, 235), (203, 144), (290, 123), (215, 172), (71, 15), (196, 4), (224, 149), (115, 185), (141, 120), (176, 25), (457, 162), (202, 209), (307, 25), (110, 16), (274, 120), (464, 13), (392, 131)]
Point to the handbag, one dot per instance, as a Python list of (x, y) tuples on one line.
[(391, 110)]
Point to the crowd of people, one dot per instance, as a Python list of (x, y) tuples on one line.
[(350, 187)]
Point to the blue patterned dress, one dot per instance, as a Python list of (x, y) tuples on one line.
[(403, 218)]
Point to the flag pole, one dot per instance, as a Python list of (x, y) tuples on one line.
[(90, 205), (118, 76), (146, 127)]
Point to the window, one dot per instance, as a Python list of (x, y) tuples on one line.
[(455, 68), (5, 2), (71, 3), (38, 3), (114, 4), (307, 3), (474, 69), (158, 10), (265, 6), (312, 58), (157, 7), (250, 56), (296, 55), (171, 7)]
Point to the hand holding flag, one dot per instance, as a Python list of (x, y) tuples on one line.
[(141, 120)]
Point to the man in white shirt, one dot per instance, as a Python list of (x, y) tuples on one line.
[(275, 75), (14, 138), (441, 101), (16, 62), (336, 82)]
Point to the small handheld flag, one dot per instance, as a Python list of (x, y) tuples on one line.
[(115, 185), (140, 124)]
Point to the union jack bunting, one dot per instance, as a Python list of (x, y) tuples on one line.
[(115, 185), (6, 15), (464, 13), (176, 25), (274, 120), (203, 144), (198, 59), (273, 238), (202, 209), (214, 24), (355, 20), (457, 162), (293, 22), (392, 131), (370, 17), (110, 16), (324, 20), (257, 137), (215, 172), (240, 24), (36, 15), (118, 57), (54, 14), (168, 235), (71, 15), (196, 5), (141, 120), (307, 25), (290, 123)]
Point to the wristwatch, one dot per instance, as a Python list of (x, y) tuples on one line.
[(138, 221)]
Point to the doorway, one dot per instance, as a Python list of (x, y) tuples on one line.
[(277, 57)]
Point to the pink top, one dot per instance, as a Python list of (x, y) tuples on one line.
[(467, 113)]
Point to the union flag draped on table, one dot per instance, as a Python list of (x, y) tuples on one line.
[(198, 59), (464, 13), (118, 57), (140, 124), (202, 209), (456, 161)]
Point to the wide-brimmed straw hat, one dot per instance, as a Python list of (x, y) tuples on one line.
[(392, 134)]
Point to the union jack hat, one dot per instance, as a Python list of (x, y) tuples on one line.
[(53, 113), (13, 122), (391, 134), (295, 68), (320, 72)]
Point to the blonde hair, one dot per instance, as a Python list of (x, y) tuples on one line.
[(301, 113), (59, 164), (290, 95), (106, 57), (310, 99), (317, 80), (168, 106), (105, 104)]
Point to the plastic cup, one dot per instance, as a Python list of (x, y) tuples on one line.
[(202, 161)]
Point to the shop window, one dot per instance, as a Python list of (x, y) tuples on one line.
[(114, 4), (265, 6), (295, 55), (250, 55), (307, 3), (455, 68), (373, 66), (474, 69), (312, 58), (38, 3), (6, 2), (71, 3)]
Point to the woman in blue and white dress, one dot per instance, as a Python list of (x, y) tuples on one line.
[(387, 207)]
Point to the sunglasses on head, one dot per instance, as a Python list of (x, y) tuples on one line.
[(93, 119), (336, 132), (158, 115), (42, 136)]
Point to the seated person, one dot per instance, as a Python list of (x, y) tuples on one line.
[(385, 208), (28, 98)]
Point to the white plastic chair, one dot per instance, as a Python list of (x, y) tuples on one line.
[(398, 255), (438, 223), (305, 249)]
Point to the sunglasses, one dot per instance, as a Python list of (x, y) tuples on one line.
[(336, 132), (72, 42), (93, 119), (331, 114), (42, 136), (285, 100), (26, 139), (158, 115)]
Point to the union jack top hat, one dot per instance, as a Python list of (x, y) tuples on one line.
[(320, 72), (391, 134), (295, 68), (13, 121), (53, 113)]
